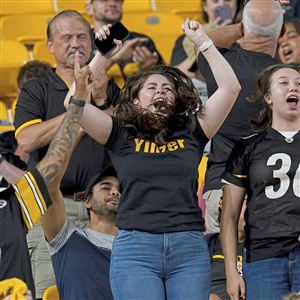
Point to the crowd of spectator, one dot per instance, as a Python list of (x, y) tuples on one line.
[(100, 193)]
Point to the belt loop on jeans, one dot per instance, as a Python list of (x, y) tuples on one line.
[(78, 196)]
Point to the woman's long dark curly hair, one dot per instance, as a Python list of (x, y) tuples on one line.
[(264, 80), (183, 115)]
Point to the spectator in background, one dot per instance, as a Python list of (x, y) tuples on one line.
[(183, 54), (266, 166), (159, 135), (32, 70), (291, 9), (141, 49), (39, 113), (219, 12), (81, 257), (289, 43), (29, 196), (258, 36)]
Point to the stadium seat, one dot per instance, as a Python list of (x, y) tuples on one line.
[(20, 7), (51, 293), (13, 56), (6, 118), (41, 52), (134, 6), (188, 8), (163, 28), (78, 5), (26, 29)]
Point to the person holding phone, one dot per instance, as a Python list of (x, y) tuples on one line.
[(266, 167), (156, 142), (142, 52)]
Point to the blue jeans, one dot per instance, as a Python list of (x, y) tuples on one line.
[(273, 278), (160, 266)]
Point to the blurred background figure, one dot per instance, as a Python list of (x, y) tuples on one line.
[(142, 53), (289, 43)]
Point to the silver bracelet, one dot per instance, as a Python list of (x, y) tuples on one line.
[(205, 45)]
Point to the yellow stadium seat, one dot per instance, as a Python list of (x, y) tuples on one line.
[(20, 7), (13, 56), (6, 118), (133, 6), (78, 5), (41, 52), (51, 293), (26, 29), (163, 28), (188, 8)]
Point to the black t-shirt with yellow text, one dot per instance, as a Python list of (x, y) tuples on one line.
[(158, 183)]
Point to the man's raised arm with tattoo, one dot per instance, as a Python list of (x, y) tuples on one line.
[(54, 164), (32, 192)]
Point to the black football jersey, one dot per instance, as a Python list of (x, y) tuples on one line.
[(268, 166)]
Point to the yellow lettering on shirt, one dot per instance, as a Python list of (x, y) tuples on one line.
[(146, 147), (138, 144), (154, 148), (172, 146), (150, 147)]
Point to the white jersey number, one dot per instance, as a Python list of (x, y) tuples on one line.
[(281, 174)]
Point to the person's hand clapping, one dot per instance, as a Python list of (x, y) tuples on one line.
[(195, 32)]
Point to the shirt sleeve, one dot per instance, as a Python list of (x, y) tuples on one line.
[(178, 52), (62, 237), (33, 196), (30, 108), (115, 135), (236, 171)]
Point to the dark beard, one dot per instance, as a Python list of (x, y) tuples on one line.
[(104, 211)]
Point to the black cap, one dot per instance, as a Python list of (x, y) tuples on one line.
[(107, 171)]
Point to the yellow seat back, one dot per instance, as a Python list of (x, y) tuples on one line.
[(41, 52), (78, 5), (188, 8), (13, 56), (134, 6), (163, 28), (26, 29), (21, 7)]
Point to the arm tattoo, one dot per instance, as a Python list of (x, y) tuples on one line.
[(54, 164)]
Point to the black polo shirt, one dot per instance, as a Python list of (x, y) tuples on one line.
[(246, 65), (21, 206), (41, 100)]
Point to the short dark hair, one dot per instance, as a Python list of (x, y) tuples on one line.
[(295, 22), (69, 13), (32, 70)]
